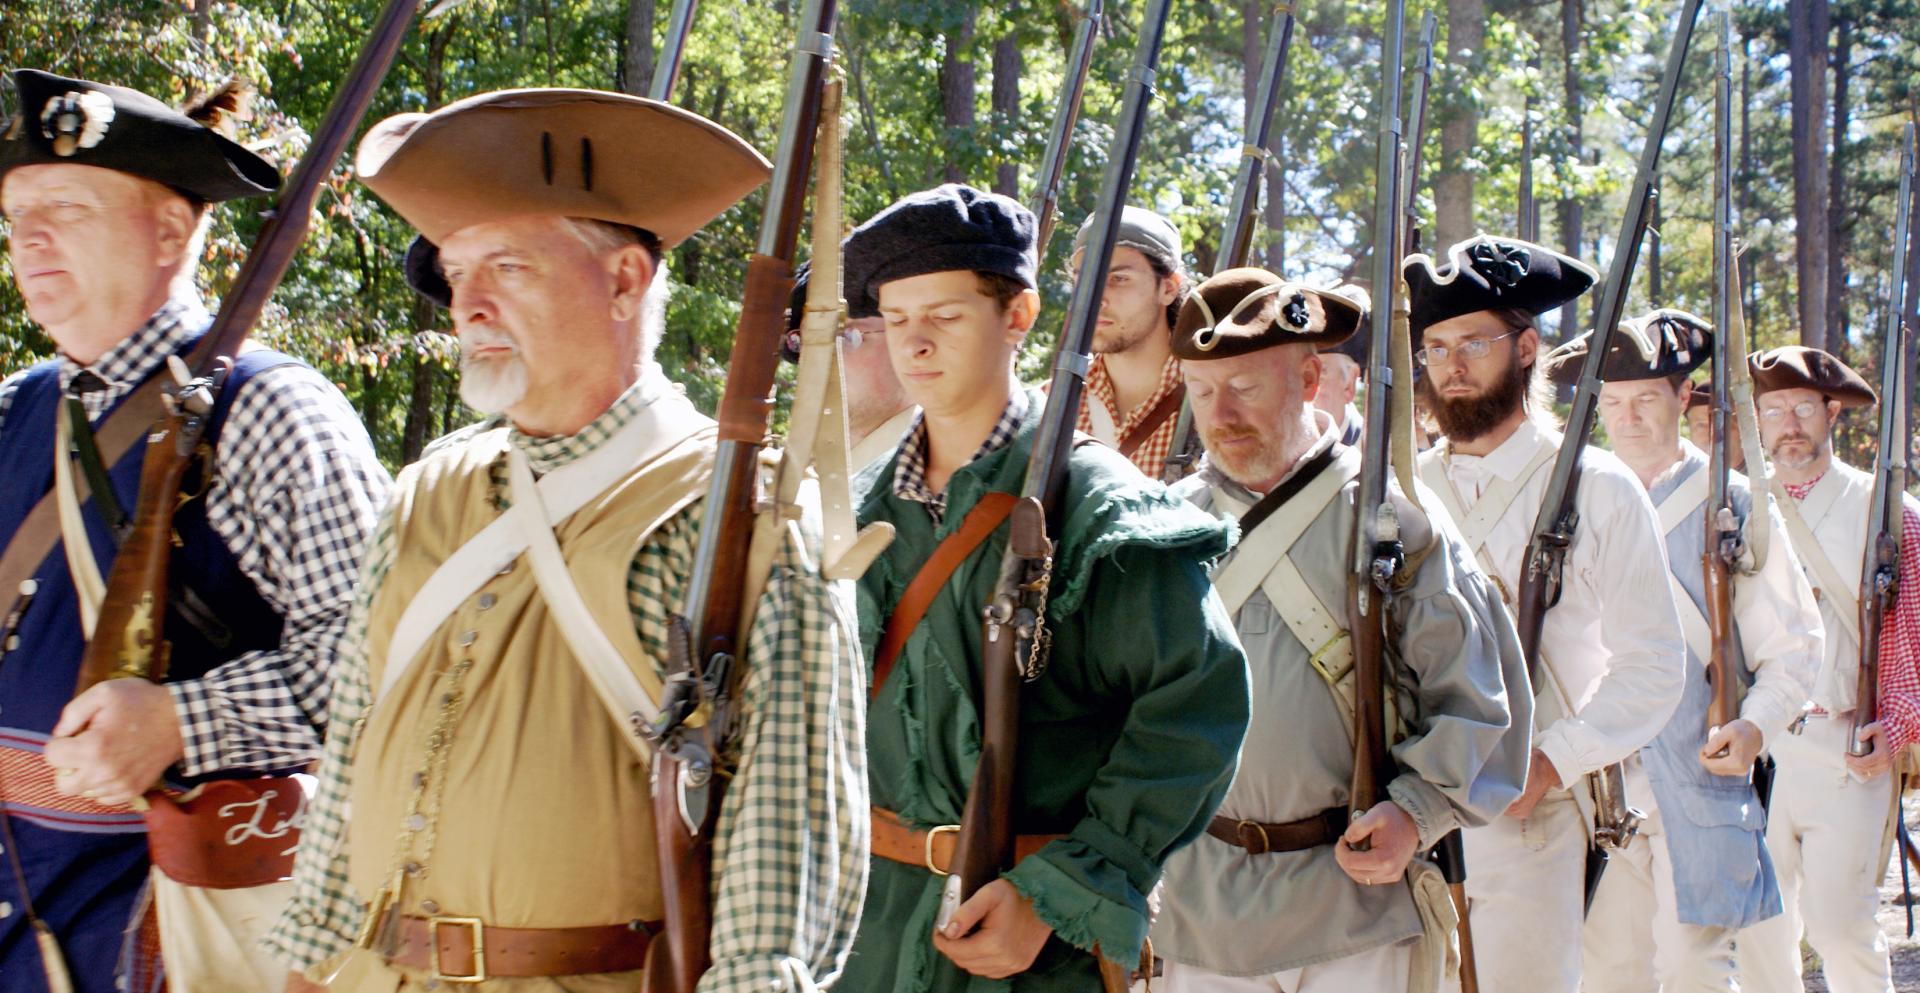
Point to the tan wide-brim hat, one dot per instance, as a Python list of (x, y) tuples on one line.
[(575, 153)]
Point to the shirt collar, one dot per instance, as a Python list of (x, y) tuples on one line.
[(1689, 457), (1510, 459), (910, 470), (139, 355), (1100, 387), (547, 453)]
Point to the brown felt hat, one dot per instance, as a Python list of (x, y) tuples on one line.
[(574, 153), (1247, 310), (1799, 367)]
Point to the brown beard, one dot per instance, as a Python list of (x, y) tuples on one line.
[(1471, 417)]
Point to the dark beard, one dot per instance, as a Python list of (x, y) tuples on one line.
[(1471, 417)]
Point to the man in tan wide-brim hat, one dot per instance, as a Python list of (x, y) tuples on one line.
[(502, 830)]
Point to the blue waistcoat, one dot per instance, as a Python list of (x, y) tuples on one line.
[(86, 872), (1715, 826)]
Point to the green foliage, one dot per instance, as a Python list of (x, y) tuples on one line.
[(345, 308)]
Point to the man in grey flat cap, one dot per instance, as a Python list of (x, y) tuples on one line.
[(1134, 390)]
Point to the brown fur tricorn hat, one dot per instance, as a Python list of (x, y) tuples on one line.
[(575, 153), (1247, 310), (1797, 366)]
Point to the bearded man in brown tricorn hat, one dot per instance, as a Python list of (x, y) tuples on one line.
[(519, 591), (107, 193)]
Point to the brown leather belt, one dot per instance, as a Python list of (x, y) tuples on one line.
[(933, 850), (463, 950), (1323, 828)]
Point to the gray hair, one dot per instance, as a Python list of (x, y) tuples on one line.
[(601, 237)]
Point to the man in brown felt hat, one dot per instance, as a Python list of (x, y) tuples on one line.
[(107, 192), (502, 829), (1831, 810), (1232, 917)]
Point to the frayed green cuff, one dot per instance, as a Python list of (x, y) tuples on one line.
[(1079, 916)]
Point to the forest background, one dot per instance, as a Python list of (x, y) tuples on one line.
[(1551, 92)]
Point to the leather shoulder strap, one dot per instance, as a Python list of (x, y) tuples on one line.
[(1168, 406), (1825, 578), (33, 541), (985, 518)]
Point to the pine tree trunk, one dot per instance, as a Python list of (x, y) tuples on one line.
[(957, 90), (1459, 123), (1573, 97), (1839, 226), (636, 72), (1807, 67), (1006, 109)]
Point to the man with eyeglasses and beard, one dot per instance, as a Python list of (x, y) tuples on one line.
[(1831, 811), (1612, 655)]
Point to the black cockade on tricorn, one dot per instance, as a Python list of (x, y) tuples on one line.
[(1296, 314), (1503, 265)]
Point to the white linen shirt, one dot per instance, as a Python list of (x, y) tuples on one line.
[(1613, 642)]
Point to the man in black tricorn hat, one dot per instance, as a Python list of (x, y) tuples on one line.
[(106, 193), (1232, 919), (1611, 655), (1668, 908)]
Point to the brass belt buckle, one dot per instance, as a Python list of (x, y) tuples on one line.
[(1247, 836), (933, 833), (477, 929)]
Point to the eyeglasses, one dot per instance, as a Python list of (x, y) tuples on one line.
[(1470, 350), (1802, 411)]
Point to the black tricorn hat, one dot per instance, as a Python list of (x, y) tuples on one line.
[(1246, 310), (1799, 367), (1488, 273), (1664, 343), (79, 122), (1355, 345)]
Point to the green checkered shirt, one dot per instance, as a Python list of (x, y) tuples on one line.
[(790, 858)]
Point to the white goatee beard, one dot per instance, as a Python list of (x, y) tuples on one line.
[(494, 385)]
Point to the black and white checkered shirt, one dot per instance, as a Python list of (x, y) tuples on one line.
[(296, 492), (910, 474)]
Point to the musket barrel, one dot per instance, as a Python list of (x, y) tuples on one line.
[(666, 72), (1053, 167), (1880, 570), (1236, 239)]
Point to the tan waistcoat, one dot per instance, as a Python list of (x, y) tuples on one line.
[(545, 819)]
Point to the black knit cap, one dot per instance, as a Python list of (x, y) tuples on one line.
[(75, 121), (1488, 273), (946, 229), (1664, 343)]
